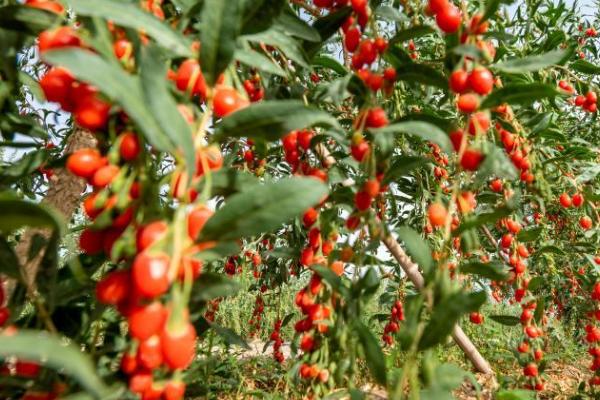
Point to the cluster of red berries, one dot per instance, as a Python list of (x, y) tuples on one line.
[(476, 318), (441, 160), (163, 339), (470, 86), (148, 287), (90, 110), (593, 336), (531, 346), (255, 321), (318, 248), (312, 371), (588, 33), (296, 146), (251, 159), (255, 259), (481, 81), (471, 157), (412, 50), (315, 323), (189, 79), (212, 307), (519, 152), (589, 102), (277, 342), (447, 16), (392, 326), (253, 88), (233, 266), (317, 315), (566, 201)]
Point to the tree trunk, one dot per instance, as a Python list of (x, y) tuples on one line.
[(64, 195)]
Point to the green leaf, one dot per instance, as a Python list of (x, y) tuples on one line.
[(28, 164), (585, 67), (164, 107), (55, 353), (263, 208), (330, 63), (491, 6), (269, 120), (493, 270), (416, 247), (259, 15), (421, 73), (508, 320), (131, 16), (277, 37), (19, 213), (9, 263), (404, 165), (115, 83), (519, 93), (468, 50), (445, 379), (327, 26), (210, 285), (289, 23), (282, 252), (535, 283), (33, 85), (442, 123), (259, 61), (220, 23), (515, 394), (484, 218), (412, 33), (220, 250), (531, 63), (374, 355), (396, 56), (26, 19), (331, 278), (368, 283), (446, 314), (529, 235), (227, 181), (496, 164), (390, 13), (229, 336), (421, 129)]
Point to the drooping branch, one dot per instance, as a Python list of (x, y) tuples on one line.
[(414, 275)]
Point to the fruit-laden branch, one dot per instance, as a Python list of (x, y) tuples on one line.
[(460, 338), (414, 275), (64, 195)]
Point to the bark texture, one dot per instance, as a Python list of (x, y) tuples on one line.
[(64, 195)]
